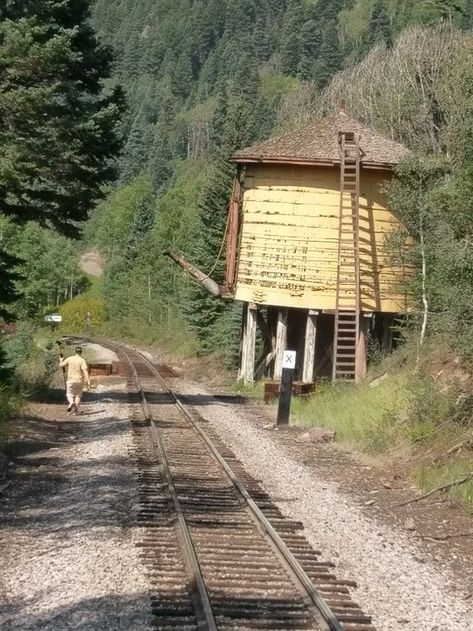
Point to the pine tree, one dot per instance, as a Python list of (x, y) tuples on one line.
[(379, 28), (310, 48), (143, 221), (58, 136), (137, 149), (291, 48), (330, 59), (261, 40), (8, 291)]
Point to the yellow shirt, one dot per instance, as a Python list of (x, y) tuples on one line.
[(76, 367)]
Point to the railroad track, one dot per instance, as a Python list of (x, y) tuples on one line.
[(219, 554)]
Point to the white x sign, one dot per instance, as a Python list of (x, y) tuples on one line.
[(289, 359)]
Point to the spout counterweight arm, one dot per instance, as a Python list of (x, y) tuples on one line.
[(210, 285)]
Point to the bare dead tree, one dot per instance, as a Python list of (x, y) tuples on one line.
[(400, 91)]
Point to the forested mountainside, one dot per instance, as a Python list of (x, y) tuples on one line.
[(184, 63), (206, 77), (202, 79)]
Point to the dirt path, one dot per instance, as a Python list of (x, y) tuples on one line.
[(92, 263), (67, 522)]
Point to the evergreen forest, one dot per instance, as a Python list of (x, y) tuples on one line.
[(171, 88)]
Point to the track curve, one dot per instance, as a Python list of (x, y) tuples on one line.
[(219, 552)]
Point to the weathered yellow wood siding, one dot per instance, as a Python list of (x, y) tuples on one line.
[(289, 240)]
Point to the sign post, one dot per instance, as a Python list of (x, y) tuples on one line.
[(285, 394), (53, 319)]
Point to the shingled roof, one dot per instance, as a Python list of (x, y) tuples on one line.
[(318, 144)]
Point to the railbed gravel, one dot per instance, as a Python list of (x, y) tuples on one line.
[(67, 541), (401, 593)]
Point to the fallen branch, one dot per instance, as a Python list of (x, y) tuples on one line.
[(444, 487), (456, 448), (446, 537)]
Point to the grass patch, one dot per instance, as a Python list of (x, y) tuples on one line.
[(173, 339), (250, 390), (431, 476), (410, 417), (369, 419)]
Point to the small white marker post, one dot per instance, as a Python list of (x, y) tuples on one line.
[(285, 394)]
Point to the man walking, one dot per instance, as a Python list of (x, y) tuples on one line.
[(77, 375)]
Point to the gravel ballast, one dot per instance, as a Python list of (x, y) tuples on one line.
[(67, 529), (100, 353), (395, 584)]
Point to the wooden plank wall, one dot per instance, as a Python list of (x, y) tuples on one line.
[(289, 240)]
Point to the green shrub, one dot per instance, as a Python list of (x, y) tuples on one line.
[(32, 356), (9, 406), (75, 313)]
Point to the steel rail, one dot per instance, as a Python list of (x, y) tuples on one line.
[(300, 577), (203, 608)]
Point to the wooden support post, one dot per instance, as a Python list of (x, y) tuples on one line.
[(361, 362), (247, 369), (281, 341), (309, 350)]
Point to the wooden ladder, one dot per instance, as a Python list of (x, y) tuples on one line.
[(348, 299)]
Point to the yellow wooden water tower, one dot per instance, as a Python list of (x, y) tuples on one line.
[(307, 241), (306, 249)]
